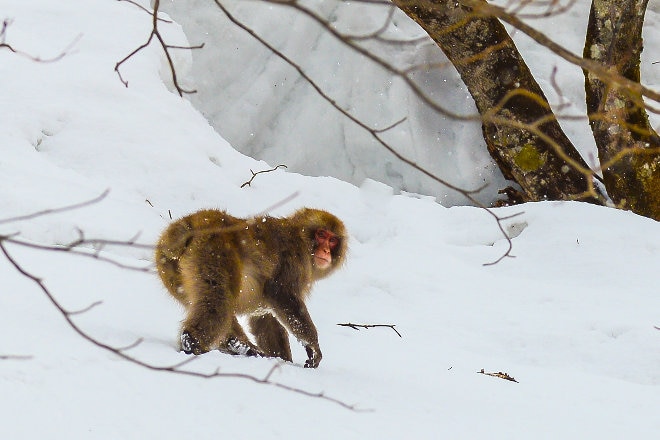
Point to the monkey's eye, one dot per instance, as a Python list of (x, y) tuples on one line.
[(324, 236)]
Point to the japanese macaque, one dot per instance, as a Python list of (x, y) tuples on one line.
[(220, 267)]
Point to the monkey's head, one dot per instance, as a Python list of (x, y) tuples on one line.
[(326, 235)]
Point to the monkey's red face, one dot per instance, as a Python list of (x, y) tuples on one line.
[(324, 242)]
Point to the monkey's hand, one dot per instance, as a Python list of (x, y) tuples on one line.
[(313, 355)]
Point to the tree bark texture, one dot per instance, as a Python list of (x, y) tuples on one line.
[(521, 132), (628, 147)]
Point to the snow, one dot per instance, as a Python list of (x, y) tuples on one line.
[(571, 317), (267, 111)]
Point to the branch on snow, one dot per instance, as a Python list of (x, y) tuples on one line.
[(249, 182), (359, 326), (499, 374)]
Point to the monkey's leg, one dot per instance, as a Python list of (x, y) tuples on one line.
[(237, 343), (210, 281), (292, 312), (271, 337), (209, 319)]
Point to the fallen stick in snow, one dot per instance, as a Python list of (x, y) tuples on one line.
[(358, 326), (499, 374)]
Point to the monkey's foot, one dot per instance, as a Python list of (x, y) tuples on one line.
[(190, 345), (239, 347)]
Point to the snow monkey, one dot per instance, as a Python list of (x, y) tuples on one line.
[(219, 266)]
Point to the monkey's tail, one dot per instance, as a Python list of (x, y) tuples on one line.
[(174, 241), (170, 249)]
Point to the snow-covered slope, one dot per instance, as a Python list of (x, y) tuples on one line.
[(571, 317), (266, 110)]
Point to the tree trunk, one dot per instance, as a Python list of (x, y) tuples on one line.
[(521, 132), (628, 147)]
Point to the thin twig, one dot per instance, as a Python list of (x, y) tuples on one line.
[(155, 33), (86, 309), (137, 342), (78, 246), (44, 212), (4, 45), (14, 357), (488, 9), (275, 367), (499, 374), (249, 182), (359, 326), (145, 10), (94, 254)]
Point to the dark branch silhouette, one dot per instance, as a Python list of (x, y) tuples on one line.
[(359, 326)]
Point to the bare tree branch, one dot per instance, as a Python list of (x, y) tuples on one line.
[(553, 8), (51, 211), (594, 67), (375, 133), (81, 245), (145, 10), (86, 309), (155, 33), (513, 14), (4, 45), (87, 253)]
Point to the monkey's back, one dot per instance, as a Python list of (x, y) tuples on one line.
[(213, 248)]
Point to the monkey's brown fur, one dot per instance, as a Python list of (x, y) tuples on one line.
[(219, 266)]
